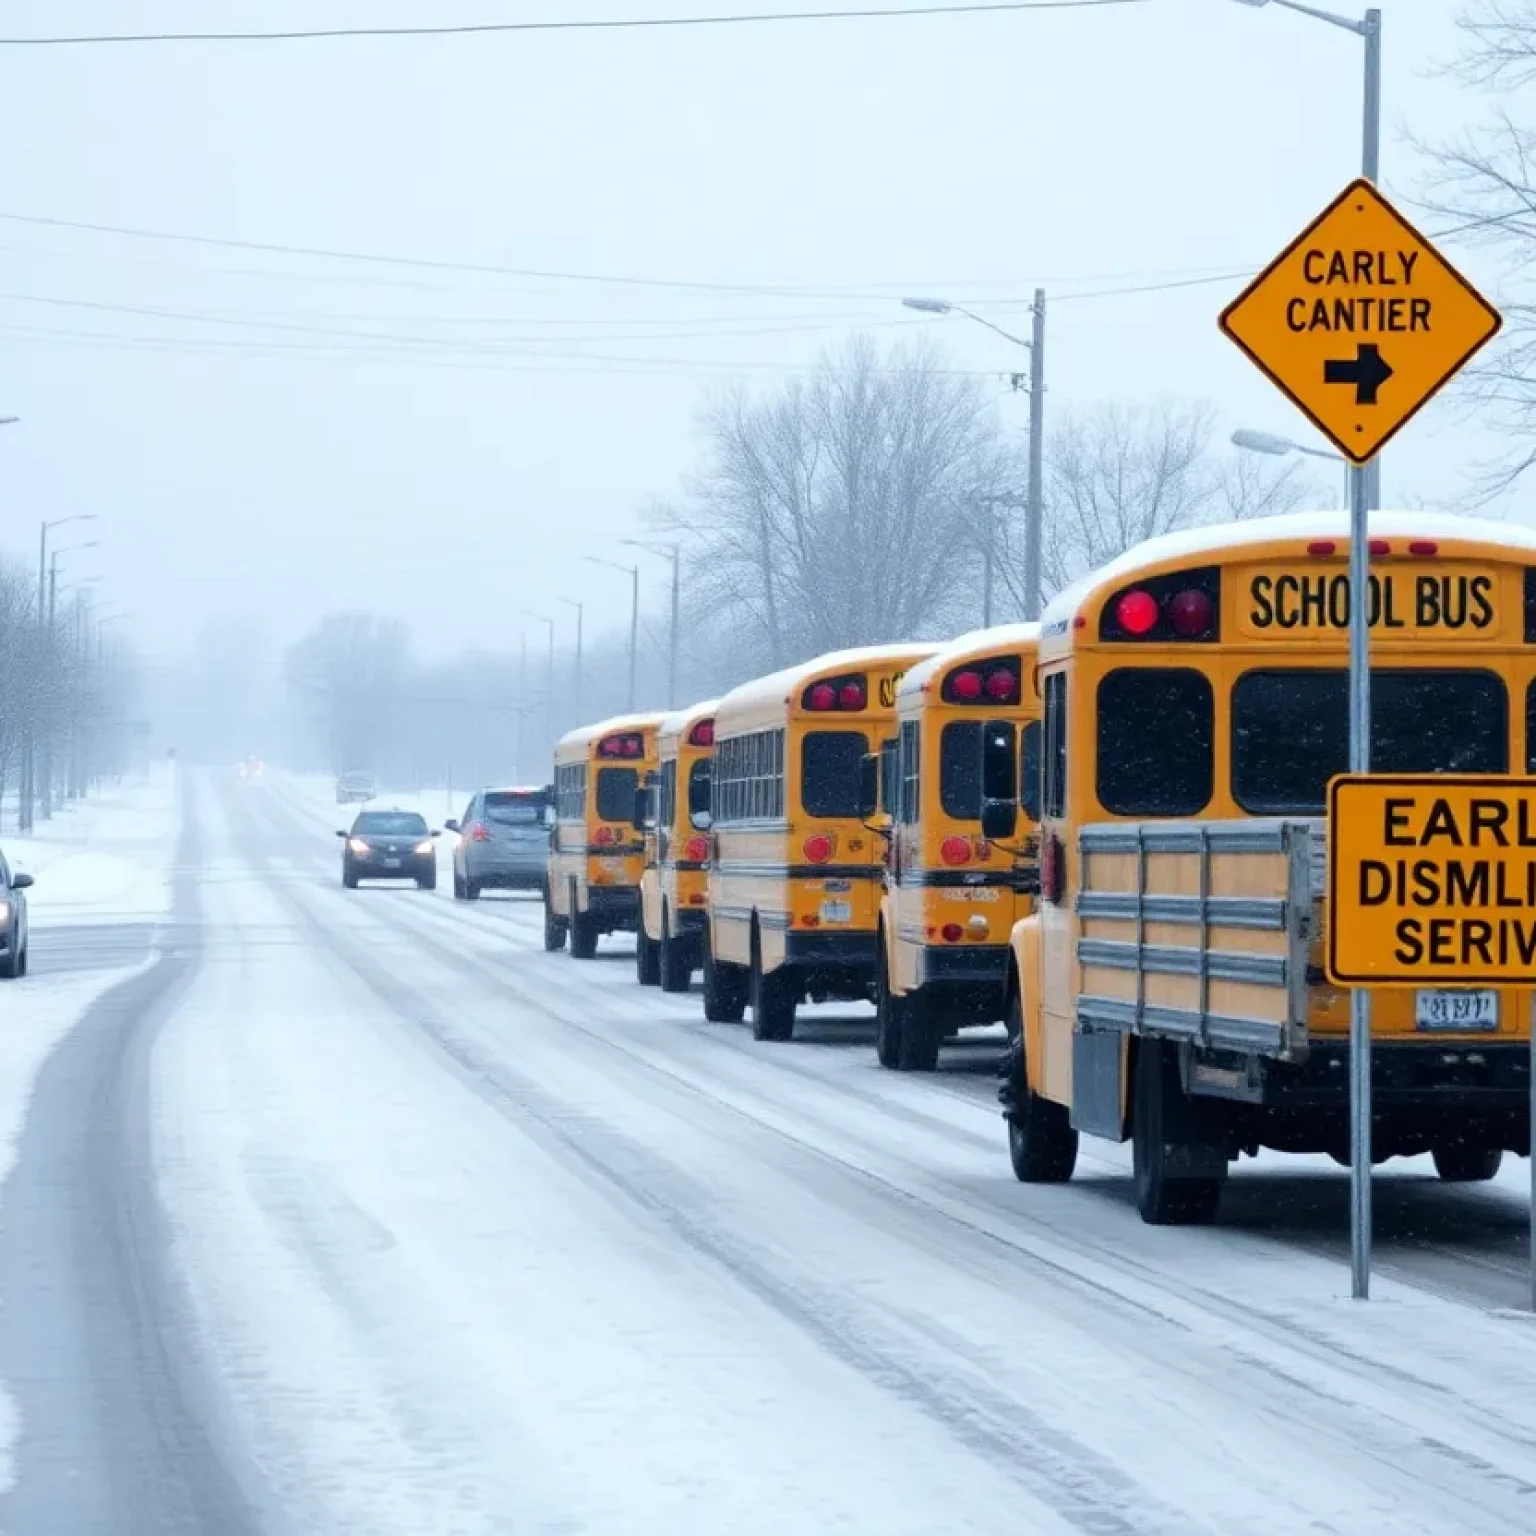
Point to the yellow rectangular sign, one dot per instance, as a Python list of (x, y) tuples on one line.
[(1360, 321), (1431, 880), (1450, 601)]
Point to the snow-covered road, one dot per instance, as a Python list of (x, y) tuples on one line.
[(356, 1212)]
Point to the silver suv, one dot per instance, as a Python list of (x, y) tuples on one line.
[(503, 841), (354, 788)]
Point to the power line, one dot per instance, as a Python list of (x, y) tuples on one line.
[(613, 24)]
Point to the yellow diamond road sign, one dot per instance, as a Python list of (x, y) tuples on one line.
[(1360, 320)]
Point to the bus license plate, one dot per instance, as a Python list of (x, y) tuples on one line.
[(1457, 1010), (837, 912)]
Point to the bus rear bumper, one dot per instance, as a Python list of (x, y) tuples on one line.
[(833, 967), (1424, 1094)]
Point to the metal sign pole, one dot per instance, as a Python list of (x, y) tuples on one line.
[(1359, 998), (1361, 482)]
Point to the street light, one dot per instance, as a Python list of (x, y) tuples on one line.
[(1283, 447), (571, 602), (1034, 507), (1364, 493), (669, 549), (549, 674), (633, 572)]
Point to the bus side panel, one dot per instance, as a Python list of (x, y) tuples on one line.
[(908, 937)]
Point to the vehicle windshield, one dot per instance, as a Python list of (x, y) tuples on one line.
[(616, 793), (514, 808), (389, 824)]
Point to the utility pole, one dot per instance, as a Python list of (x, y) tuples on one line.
[(673, 550), (45, 756), (571, 602), (634, 633), (1034, 513), (522, 706)]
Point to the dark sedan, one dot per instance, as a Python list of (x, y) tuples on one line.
[(389, 845)]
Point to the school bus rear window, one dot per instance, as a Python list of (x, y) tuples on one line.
[(1290, 730), (960, 770), (829, 772), (616, 793), (1156, 742)]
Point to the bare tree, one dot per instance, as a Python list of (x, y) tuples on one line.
[(1483, 182), (1116, 474), (835, 512)]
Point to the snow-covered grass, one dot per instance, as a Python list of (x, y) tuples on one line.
[(103, 859)]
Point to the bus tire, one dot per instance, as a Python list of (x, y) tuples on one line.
[(583, 930), (889, 1017), (921, 1032), (647, 956), (1042, 1145), (725, 998), (1463, 1162), (676, 961), (772, 997), (1167, 1195), (555, 928)]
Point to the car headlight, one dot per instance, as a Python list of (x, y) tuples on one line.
[(357, 845), (424, 846)]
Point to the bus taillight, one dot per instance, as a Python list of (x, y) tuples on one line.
[(1002, 685), (851, 696), (1190, 612), (817, 848), (1136, 612), (696, 850), (955, 850)]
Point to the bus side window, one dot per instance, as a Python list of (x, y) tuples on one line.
[(1029, 771), (1054, 786)]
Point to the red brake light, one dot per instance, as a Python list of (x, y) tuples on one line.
[(696, 850), (1321, 547), (604, 836), (952, 932), (818, 848), (1190, 613), (1379, 547), (822, 696), (478, 834), (1136, 612), (703, 734), (851, 696), (1002, 685), (955, 850), (1423, 547), (966, 685)]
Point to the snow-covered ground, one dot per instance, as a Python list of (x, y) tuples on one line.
[(441, 1233)]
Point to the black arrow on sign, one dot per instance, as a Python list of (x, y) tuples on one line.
[(1367, 370)]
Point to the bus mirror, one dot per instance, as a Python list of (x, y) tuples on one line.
[(642, 812), (869, 785)]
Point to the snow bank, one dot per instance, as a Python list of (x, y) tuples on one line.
[(104, 859)]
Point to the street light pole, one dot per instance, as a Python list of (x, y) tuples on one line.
[(1364, 495), (1034, 507), (673, 551), (549, 676), (633, 572), (576, 685)]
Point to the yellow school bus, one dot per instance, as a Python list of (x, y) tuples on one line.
[(674, 886), (951, 897), (794, 874), (596, 854), (1171, 987)]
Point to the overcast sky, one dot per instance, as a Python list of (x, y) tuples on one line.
[(275, 466)]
